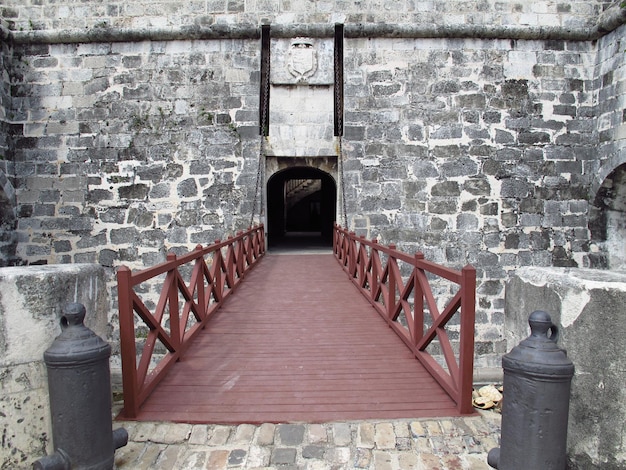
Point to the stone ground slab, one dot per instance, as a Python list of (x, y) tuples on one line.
[(425, 444)]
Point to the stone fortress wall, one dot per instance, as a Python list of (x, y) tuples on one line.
[(477, 132), (44, 15)]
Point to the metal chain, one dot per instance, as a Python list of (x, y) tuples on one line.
[(340, 145), (265, 98), (342, 183)]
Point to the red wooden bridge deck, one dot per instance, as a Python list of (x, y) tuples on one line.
[(298, 342)]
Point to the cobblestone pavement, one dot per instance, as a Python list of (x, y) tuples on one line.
[(433, 444)]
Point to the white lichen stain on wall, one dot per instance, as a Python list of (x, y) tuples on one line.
[(573, 302)]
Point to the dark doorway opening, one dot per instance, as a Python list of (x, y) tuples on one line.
[(301, 209)]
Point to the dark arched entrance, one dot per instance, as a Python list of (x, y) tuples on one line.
[(301, 207)]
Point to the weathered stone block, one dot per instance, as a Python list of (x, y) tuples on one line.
[(477, 186), (565, 110), (385, 89), (490, 208), (469, 206), (476, 101), (443, 207), (135, 191), (80, 224), (354, 132), (415, 132), (446, 86), (454, 131), (446, 188), (459, 167), (97, 195), (124, 236), (62, 246), (140, 216), (160, 191), (467, 222), (527, 137), (187, 188), (514, 187)]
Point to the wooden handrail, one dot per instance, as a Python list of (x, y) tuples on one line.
[(217, 271), (376, 270)]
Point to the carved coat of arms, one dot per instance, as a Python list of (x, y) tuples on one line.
[(302, 59)]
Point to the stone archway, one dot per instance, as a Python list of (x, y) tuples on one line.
[(301, 201), (607, 221)]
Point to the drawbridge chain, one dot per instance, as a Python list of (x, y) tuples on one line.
[(338, 59), (263, 128)]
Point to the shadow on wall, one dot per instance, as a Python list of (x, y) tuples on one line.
[(8, 225), (607, 222)]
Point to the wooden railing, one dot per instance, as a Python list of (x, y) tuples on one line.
[(182, 309), (376, 271)]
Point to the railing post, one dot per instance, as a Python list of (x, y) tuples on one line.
[(200, 291), (374, 281), (261, 238), (248, 248), (344, 250), (418, 302), (259, 241), (127, 342), (341, 247), (218, 282), (361, 260), (340, 256), (466, 347), (252, 237), (231, 266), (239, 256), (175, 331), (352, 253), (391, 293)]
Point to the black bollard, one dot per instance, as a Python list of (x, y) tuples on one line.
[(537, 381), (79, 385)]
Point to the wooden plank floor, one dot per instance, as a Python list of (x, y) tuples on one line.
[(296, 343)]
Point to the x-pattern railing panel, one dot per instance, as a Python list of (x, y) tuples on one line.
[(217, 271), (376, 270)]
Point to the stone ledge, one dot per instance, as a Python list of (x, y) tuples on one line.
[(31, 302), (609, 21)]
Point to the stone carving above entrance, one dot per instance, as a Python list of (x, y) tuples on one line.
[(302, 59), (301, 97)]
